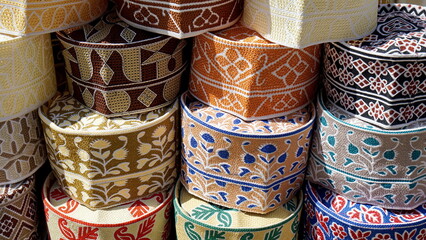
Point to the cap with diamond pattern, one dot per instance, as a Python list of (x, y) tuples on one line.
[(116, 69)]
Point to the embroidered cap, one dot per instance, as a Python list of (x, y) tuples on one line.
[(27, 74), (251, 166), (180, 18), (196, 218), (381, 78), (104, 162), (301, 23), (365, 163), (330, 216), (116, 69), (239, 72), (145, 218), (34, 17), (22, 148), (18, 210)]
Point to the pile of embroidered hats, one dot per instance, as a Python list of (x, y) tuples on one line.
[(27, 80), (368, 150), (215, 109)]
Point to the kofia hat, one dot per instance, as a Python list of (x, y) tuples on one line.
[(367, 164), (180, 18), (18, 210), (22, 148), (252, 166), (145, 218), (34, 17), (332, 216), (116, 69), (196, 219), (27, 74), (381, 78), (238, 71), (301, 23), (104, 162)]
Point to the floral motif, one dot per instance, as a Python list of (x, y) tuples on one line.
[(207, 17), (338, 231), (383, 236)]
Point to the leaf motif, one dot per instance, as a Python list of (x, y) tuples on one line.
[(225, 218), (69, 207), (338, 203), (124, 166), (124, 193), (371, 142), (58, 194), (214, 235), (62, 223), (274, 234), (189, 230), (121, 234), (146, 227), (247, 236), (373, 216), (138, 209), (87, 233), (203, 212)]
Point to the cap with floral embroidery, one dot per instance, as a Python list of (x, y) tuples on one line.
[(253, 166), (145, 218), (332, 216), (104, 162)]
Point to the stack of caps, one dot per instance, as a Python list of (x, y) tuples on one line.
[(112, 141), (369, 144), (27, 80), (246, 128)]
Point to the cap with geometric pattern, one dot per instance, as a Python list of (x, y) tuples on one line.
[(239, 72), (18, 210), (104, 162), (22, 148), (381, 78), (180, 18), (197, 219), (34, 17), (301, 23), (27, 74), (116, 69), (145, 218)]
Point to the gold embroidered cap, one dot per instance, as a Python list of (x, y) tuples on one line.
[(27, 74), (238, 71), (22, 148), (196, 218), (301, 23), (18, 210), (104, 162), (180, 18), (116, 69), (145, 218), (253, 166), (34, 17)]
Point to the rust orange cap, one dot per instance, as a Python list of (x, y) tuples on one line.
[(238, 71)]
